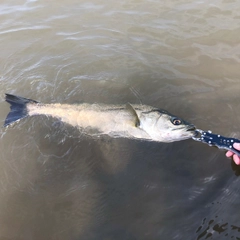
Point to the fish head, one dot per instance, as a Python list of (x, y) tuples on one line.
[(165, 127)]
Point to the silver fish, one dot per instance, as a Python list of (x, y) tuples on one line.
[(128, 121)]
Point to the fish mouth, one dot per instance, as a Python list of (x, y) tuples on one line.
[(192, 128)]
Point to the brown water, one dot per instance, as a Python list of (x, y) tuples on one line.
[(180, 55)]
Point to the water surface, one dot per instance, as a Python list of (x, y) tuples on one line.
[(182, 56)]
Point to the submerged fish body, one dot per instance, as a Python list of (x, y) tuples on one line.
[(129, 121)]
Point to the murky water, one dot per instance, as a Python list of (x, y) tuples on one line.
[(180, 55)]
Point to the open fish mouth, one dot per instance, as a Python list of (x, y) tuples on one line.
[(191, 128)]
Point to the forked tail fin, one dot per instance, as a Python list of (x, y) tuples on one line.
[(18, 108)]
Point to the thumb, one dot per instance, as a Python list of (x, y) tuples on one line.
[(237, 146)]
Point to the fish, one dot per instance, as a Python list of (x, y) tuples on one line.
[(133, 121)]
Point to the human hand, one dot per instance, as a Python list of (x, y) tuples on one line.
[(236, 158)]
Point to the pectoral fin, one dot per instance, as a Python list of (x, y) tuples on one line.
[(130, 108)]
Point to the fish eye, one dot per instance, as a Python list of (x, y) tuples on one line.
[(176, 121)]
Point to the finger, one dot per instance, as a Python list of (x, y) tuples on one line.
[(229, 154), (237, 146), (236, 159)]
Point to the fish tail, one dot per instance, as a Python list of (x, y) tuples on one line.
[(18, 108)]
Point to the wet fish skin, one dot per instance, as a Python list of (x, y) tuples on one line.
[(128, 121)]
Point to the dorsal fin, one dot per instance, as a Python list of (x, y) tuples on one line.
[(130, 108)]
